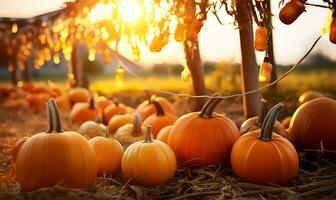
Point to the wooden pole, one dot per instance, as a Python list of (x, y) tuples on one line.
[(248, 69), (194, 63), (27, 76), (77, 67), (15, 74)]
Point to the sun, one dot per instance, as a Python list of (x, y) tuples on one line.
[(129, 11)]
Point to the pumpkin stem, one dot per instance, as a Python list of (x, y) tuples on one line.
[(136, 131), (158, 108), (107, 132), (99, 119), (55, 117), (268, 124), (116, 101), (148, 138), (50, 124), (92, 103), (210, 106), (262, 111)]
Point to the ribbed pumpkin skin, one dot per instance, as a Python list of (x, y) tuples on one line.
[(313, 122), (159, 122), (79, 95), (17, 146), (163, 134), (81, 112), (113, 110), (48, 159), (109, 153), (148, 163), (256, 161), (145, 109), (201, 142)]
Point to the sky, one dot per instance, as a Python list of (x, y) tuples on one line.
[(217, 42)]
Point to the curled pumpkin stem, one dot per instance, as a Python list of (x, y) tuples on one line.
[(262, 111), (54, 117), (268, 124), (148, 138), (210, 106), (158, 108), (136, 130)]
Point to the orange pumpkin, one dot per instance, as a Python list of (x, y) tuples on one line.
[(308, 96), (112, 110), (15, 104), (264, 157), (291, 11), (261, 39), (203, 138), (102, 103), (255, 123), (148, 162), (108, 152), (286, 121), (145, 109), (160, 119), (37, 101), (56, 157), (118, 121), (163, 134), (17, 146), (82, 112), (332, 34), (312, 125), (63, 102), (79, 94)]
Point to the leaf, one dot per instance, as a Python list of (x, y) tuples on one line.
[(326, 27)]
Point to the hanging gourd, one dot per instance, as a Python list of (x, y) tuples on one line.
[(203, 138), (120, 74), (82, 112), (264, 157), (148, 162), (332, 34), (261, 39), (56, 157), (159, 42), (109, 153), (291, 11), (136, 53), (185, 74), (265, 71), (180, 32), (56, 58)]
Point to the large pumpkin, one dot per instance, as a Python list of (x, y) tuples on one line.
[(203, 138), (102, 102), (56, 157), (82, 112), (313, 125), (108, 152), (264, 157), (146, 108), (17, 146), (160, 119), (255, 123), (148, 162)]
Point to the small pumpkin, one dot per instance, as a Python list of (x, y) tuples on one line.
[(264, 157), (203, 138), (313, 125), (79, 94), (308, 96), (163, 134), (82, 112), (92, 128), (130, 133), (118, 121), (112, 110), (145, 109), (261, 39), (102, 102), (332, 33), (17, 146), (255, 123), (63, 102), (291, 11), (148, 162), (56, 157), (160, 119), (108, 152)]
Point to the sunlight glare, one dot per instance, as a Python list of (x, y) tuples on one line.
[(129, 11), (101, 12)]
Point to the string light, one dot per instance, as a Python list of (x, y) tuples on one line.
[(120, 74), (15, 28)]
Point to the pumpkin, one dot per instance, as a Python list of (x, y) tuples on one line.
[(92, 128), (261, 39), (15, 104), (41, 89), (108, 152), (37, 101), (146, 109), (112, 110), (160, 119), (148, 162), (332, 34), (264, 157), (56, 157), (79, 94), (102, 102), (82, 112), (291, 11), (17, 146), (308, 96), (130, 133), (203, 138), (63, 102), (118, 121), (255, 123), (286, 121), (163, 134), (313, 125)]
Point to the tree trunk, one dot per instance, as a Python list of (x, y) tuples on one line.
[(77, 67), (248, 69), (27, 76), (194, 63), (15, 74)]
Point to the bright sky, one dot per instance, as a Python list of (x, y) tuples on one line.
[(217, 42)]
